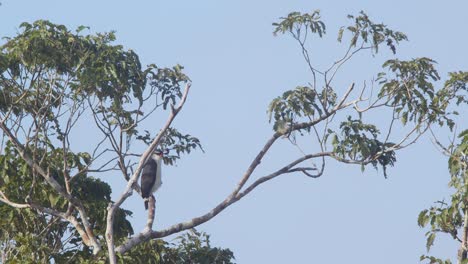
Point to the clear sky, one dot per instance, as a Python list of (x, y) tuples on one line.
[(237, 68)]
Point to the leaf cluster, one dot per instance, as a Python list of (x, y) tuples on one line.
[(47, 66), (26, 231), (358, 142), (410, 91), (174, 144), (296, 20), (295, 105), (434, 260), (190, 247), (407, 89), (368, 32), (448, 217)]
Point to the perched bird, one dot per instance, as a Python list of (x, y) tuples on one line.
[(151, 176)]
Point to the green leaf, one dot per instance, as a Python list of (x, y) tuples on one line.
[(430, 241), (53, 199), (422, 218), (81, 28), (340, 34)]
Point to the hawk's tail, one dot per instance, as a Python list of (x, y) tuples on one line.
[(146, 204)]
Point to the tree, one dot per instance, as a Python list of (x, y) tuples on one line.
[(451, 217), (54, 81)]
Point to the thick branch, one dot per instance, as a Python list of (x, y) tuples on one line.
[(151, 213), (4, 199)]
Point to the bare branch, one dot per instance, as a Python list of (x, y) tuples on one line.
[(4, 199), (342, 61), (151, 213), (345, 97)]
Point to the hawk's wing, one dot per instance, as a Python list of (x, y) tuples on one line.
[(148, 178)]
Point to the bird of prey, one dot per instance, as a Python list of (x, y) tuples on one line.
[(151, 176)]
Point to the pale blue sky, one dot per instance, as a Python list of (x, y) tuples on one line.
[(237, 68)]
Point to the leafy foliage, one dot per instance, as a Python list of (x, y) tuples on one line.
[(368, 32), (177, 143), (26, 229), (434, 260), (449, 217), (167, 82), (48, 64), (191, 247), (457, 86), (411, 90), (174, 143), (51, 79), (413, 96), (407, 91), (55, 204), (359, 142), (295, 21), (303, 101)]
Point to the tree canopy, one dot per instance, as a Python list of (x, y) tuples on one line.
[(54, 81), (451, 217)]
